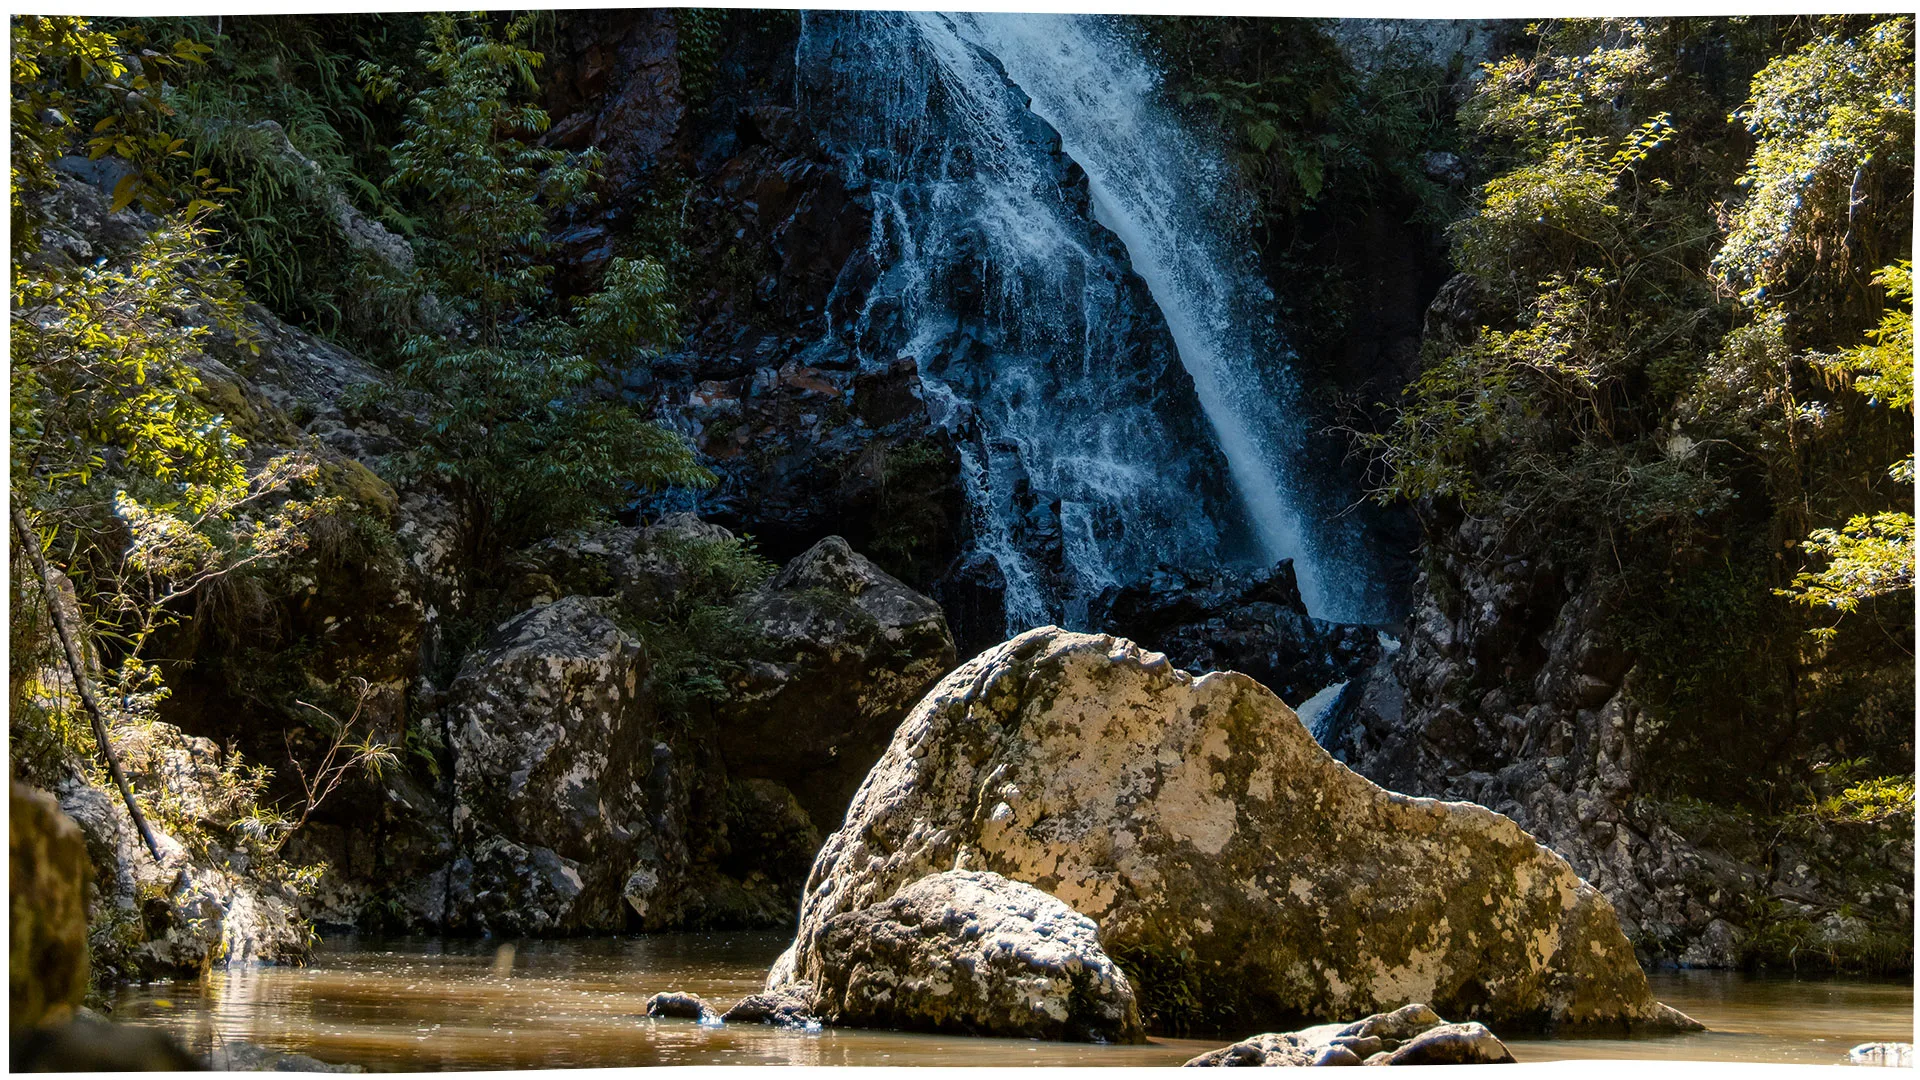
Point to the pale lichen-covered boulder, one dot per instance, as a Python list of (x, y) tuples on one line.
[(973, 953), (1216, 844), (550, 731), (1410, 1035)]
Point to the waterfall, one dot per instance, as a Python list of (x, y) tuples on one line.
[(1107, 422)]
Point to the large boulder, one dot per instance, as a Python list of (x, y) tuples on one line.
[(551, 734), (847, 651), (1217, 844), (47, 905), (973, 953)]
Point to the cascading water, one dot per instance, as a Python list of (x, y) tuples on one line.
[(1108, 422)]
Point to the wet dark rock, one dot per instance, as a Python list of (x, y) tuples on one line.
[(678, 1005), (233, 1056), (1246, 621), (782, 1008), (974, 953)]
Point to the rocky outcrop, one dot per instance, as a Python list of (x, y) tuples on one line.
[(1208, 835), (973, 953), (1512, 690), (782, 1008), (1410, 1035), (552, 740), (1252, 622), (845, 646), (197, 906), (47, 910), (679, 1005)]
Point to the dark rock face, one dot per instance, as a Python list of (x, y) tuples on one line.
[(848, 647), (1511, 692), (1253, 623), (47, 905), (973, 953)]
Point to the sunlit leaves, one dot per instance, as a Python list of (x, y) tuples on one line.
[(1833, 124)]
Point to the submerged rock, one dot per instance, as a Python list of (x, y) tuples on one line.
[(91, 1044), (679, 1005), (230, 1056), (1209, 836), (786, 1008), (1411, 1035), (973, 953)]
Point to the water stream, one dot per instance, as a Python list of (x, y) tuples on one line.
[(423, 1004), (1018, 167)]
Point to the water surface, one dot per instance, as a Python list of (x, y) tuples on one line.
[(428, 1004)]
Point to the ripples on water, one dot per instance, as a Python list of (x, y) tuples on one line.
[(426, 1004)]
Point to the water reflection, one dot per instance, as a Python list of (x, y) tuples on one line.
[(425, 1004)]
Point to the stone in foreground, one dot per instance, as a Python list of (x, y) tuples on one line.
[(973, 953), (1896, 1055), (1412, 1035), (781, 1008), (678, 1005), (1208, 835)]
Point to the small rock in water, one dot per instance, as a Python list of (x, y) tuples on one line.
[(249, 1057), (1896, 1055), (1411, 1035), (1453, 1044), (782, 1007), (678, 1005)]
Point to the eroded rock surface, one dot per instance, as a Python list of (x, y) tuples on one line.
[(1197, 822), (973, 953), (1411, 1035), (551, 735)]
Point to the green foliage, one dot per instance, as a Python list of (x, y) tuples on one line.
[(514, 428), (1626, 418), (695, 640), (68, 76), (1833, 129), (126, 473)]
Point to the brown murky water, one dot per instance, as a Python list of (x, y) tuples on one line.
[(427, 1004)]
